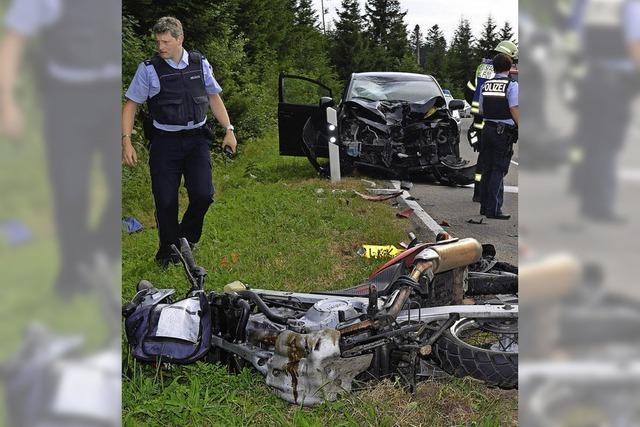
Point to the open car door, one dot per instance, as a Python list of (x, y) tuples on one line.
[(299, 98)]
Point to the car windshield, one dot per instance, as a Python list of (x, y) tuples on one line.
[(385, 89)]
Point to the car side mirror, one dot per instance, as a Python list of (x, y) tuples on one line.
[(456, 104), (326, 102)]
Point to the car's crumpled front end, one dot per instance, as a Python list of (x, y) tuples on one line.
[(404, 138)]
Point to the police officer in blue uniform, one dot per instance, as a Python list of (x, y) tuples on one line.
[(179, 88), (607, 37), (499, 106), (77, 69), (472, 95)]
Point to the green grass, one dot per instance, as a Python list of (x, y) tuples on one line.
[(29, 268), (276, 225)]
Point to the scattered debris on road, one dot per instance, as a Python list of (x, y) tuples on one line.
[(476, 221), (406, 185), (378, 197), (405, 213)]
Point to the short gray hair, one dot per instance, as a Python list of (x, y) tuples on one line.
[(168, 24)]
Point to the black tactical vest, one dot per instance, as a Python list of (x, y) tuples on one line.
[(183, 97), (86, 36), (604, 38), (495, 105)]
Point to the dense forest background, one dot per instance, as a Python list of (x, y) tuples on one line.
[(248, 44)]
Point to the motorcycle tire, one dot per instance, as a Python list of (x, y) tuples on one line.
[(460, 358)]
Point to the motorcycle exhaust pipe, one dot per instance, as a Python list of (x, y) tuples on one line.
[(447, 256), (438, 258)]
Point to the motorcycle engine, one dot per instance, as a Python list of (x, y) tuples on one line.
[(325, 314)]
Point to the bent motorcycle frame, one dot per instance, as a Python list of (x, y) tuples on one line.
[(310, 368)]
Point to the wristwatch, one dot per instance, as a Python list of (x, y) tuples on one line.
[(230, 127)]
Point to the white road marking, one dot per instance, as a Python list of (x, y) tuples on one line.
[(629, 175), (507, 188), (429, 222)]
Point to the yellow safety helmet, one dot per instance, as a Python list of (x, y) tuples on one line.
[(508, 48)]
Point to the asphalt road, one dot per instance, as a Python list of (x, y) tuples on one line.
[(551, 221), (453, 205)]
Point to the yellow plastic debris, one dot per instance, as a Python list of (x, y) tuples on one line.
[(379, 251)]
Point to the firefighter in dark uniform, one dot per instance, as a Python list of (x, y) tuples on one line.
[(499, 107), (179, 88), (472, 95)]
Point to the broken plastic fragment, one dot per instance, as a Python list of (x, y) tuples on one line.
[(379, 197), (405, 213), (132, 224), (15, 232), (475, 221), (235, 286), (406, 185)]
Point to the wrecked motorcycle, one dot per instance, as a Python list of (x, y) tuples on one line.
[(395, 124), (443, 306)]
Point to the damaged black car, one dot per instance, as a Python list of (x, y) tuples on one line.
[(394, 124)]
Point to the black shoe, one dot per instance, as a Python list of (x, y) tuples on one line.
[(165, 260), (499, 216)]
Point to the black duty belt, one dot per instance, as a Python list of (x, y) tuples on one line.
[(503, 128), (492, 124)]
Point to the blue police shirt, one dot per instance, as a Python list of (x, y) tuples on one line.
[(146, 84), (27, 17), (630, 26), (632, 21), (512, 98)]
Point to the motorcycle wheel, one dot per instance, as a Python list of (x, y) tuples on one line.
[(485, 349)]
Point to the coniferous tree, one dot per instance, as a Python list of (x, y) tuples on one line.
[(461, 61), (266, 29), (305, 14), (506, 32), (306, 49), (387, 32), (349, 48), (434, 53), (489, 39)]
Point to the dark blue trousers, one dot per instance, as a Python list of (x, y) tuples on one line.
[(170, 158), (498, 150)]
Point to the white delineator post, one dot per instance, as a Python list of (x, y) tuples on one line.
[(334, 152)]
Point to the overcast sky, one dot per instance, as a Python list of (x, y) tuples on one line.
[(445, 13)]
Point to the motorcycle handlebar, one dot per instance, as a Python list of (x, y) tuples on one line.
[(185, 250)]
